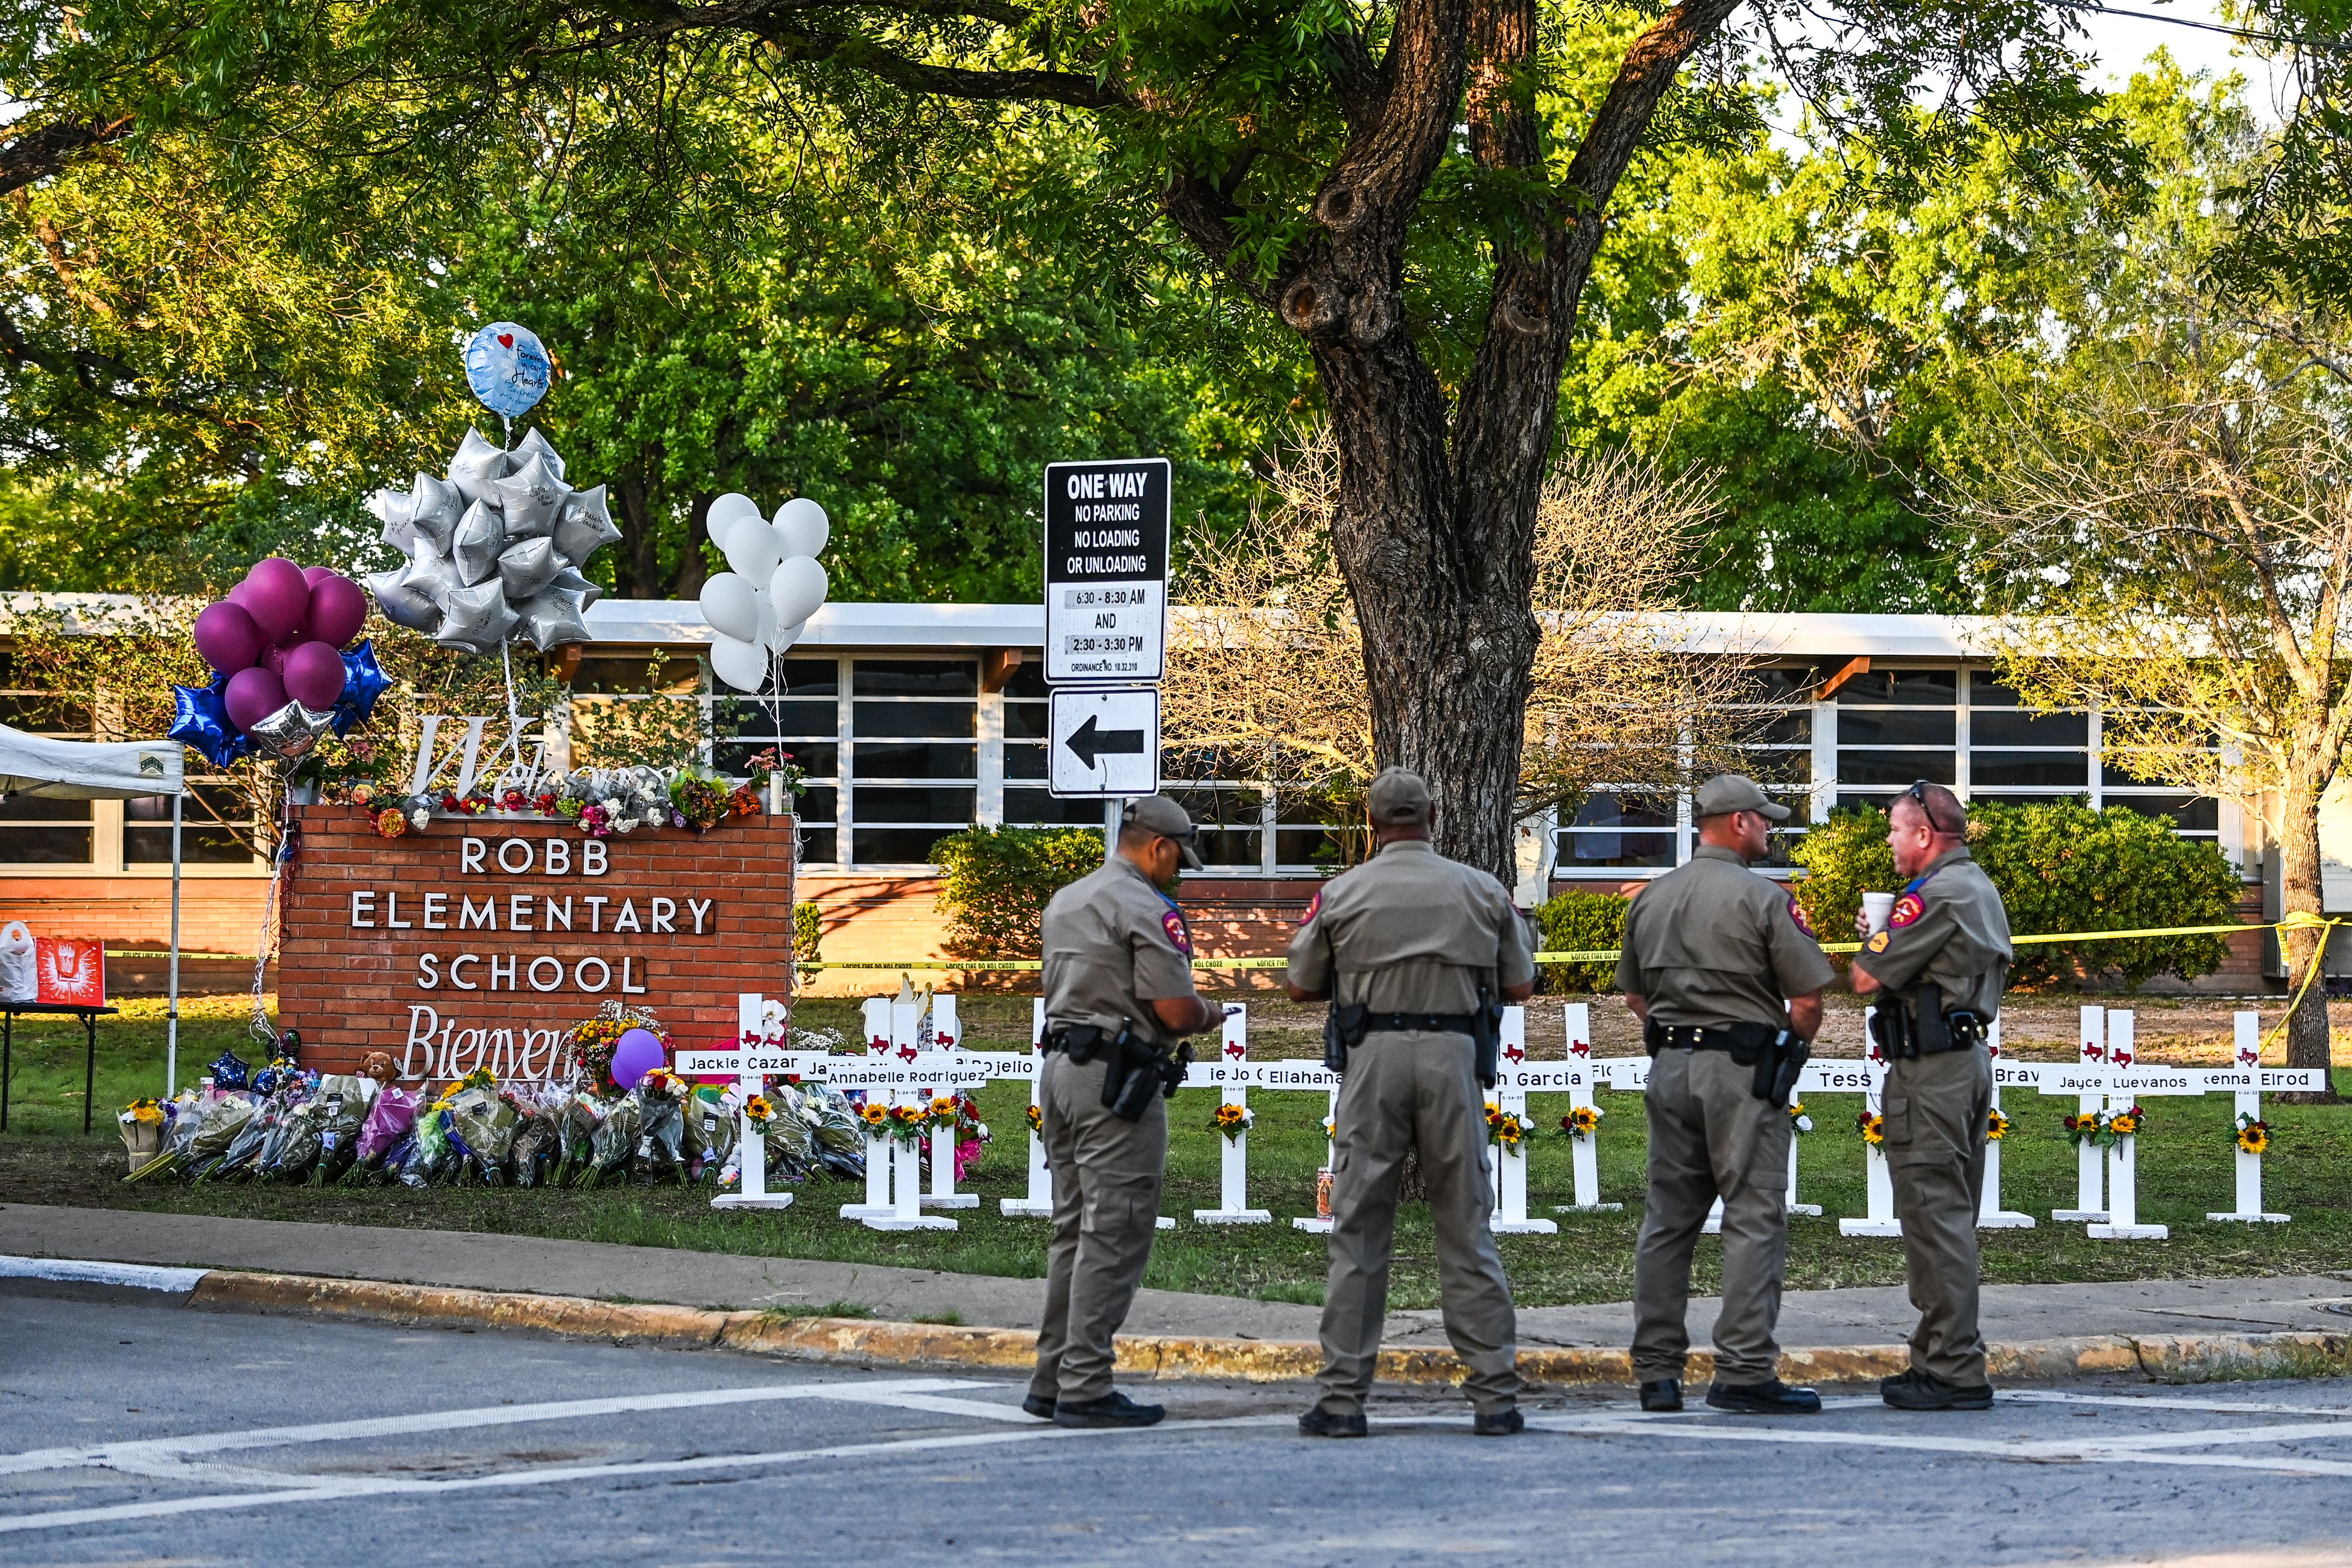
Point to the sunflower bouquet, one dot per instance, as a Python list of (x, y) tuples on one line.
[(1873, 1127), (1582, 1122), (1233, 1120), (2253, 1135), (2105, 1129), (1799, 1122), (1507, 1130), (1036, 1118), (1996, 1126), (910, 1123)]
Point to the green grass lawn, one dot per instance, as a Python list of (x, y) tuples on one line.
[(2185, 1171)]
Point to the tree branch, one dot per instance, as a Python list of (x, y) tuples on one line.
[(31, 157)]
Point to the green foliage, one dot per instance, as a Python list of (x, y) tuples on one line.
[(808, 934), (994, 884), (2060, 867), (1577, 922)]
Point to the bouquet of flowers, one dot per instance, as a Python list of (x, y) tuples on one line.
[(1233, 1120), (1036, 1118), (698, 801), (1799, 1122), (2102, 1129), (2253, 1135), (1507, 1130), (593, 1041), (1873, 1127), (1582, 1122), (1996, 1126)]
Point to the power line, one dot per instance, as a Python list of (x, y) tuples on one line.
[(2251, 35)]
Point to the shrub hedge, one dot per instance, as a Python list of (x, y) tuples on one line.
[(994, 884), (1580, 923)]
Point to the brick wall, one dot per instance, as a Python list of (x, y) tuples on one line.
[(217, 914), (353, 988)]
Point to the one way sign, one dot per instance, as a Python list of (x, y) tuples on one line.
[(1106, 741)]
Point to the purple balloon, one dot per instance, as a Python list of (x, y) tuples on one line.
[(227, 637), (314, 575), (277, 597), (338, 609), (252, 696), (315, 676), (273, 659), (636, 1054)]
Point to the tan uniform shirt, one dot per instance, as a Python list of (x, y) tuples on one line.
[(1950, 926), (1114, 943), (1412, 932), (1711, 943)]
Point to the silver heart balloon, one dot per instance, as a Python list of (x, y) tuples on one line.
[(551, 618), (584, 527), (476, 619), (526, 566), (290, 732), (429, 577), (533, 444), (529, 498), (403, 605), (477, 464), (572, 582), (433, 508), (481, 535)]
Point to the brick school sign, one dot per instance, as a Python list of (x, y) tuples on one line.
[(481, 942)]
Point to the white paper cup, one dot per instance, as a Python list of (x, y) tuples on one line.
[(1878, 909)]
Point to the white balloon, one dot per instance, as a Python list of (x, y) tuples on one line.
[(726, 510), (801, 526), (753, 548), (731, 606), (784, 636), (767, 633), (798, 588), (741, 664)]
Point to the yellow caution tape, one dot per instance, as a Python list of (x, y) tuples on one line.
[(1609, 954)]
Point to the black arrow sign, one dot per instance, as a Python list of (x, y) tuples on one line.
[(1088, 743)]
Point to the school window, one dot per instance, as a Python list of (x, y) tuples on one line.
[(915, 756), (801, 723)]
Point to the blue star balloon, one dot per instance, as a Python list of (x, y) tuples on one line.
[(363, 682), (508, 368), (200, 719)]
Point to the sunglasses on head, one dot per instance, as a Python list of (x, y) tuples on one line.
[(1918, 792)]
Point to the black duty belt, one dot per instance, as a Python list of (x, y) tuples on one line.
[(1694, 1038), (1434, 1023)]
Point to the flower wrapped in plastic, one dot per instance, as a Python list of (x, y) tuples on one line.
[(430, 1158), (710, 1135), (613, 1142), (660, 1154), (142, 1122), (838, 1131), (241, 1145), (481, 1127), (538, 1147), (387, 1121)]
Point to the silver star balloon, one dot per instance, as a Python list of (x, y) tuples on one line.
[(572, 582), (477, 464), (477, 619), (403, 605), (481, 535), (529, 498), (526, 566), (433, 508), (552, 617), (290, 732), (586, 527), (430, 576), (532, 445), (395, 510)]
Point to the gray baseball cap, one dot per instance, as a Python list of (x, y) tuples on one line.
[(1399, 797), (1727, 792), (1159, 813)]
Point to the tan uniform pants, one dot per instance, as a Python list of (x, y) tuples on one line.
[(1935, 1109), (1106, 1204), (1710, 1136), (1415, 1090)]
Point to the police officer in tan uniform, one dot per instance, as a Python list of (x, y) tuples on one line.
[(1717, 963), (1118, 996), (1936, 974), (1408, 948)]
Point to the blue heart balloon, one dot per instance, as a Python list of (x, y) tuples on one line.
[(200, 719), (508, 368)]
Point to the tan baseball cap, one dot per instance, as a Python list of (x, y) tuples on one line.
[(1159, 813), (1399, 797), (1727, 792)]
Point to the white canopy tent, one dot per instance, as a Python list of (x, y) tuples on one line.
[(106, 770)]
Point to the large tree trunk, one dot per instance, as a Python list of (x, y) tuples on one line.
[(2307, 1042)]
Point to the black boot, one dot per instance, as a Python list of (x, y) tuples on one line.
[(1500, 1422), (1040, 1407), (1322, 1423), (1917, 1389), (1113, 1409), (1773, 1398), (1662, 1395)]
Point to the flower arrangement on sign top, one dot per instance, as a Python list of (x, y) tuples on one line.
[(2103, 1129), (1996, 1126), (1872, 1127), (2253, 1135), (1507, 1130), (600, 800), (1799, 1122), (1583, 1122), (1233, 1120)]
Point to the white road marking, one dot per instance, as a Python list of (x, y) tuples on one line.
[(137, 1276), (326, 1489), (147, 1449), (2159, 1402)]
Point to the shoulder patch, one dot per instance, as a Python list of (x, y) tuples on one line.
[(1907, 909), (1314, 907), (1796, 913), (1173, 925), (1878, 943)]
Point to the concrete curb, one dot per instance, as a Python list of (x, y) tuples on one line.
[(2171, 1358)]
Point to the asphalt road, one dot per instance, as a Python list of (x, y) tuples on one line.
[(136, 1432)]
